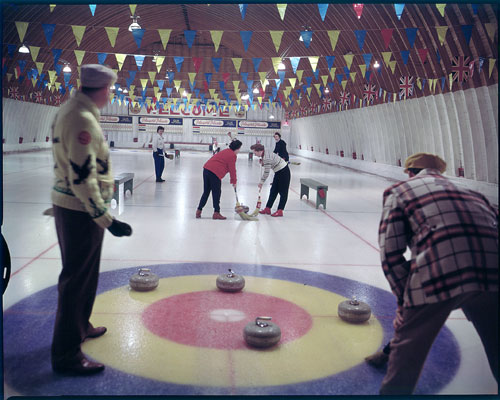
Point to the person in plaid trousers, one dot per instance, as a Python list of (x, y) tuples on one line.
[(452, 233)]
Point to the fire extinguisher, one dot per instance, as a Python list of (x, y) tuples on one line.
[(312, 148), (399, 162), (354, 155), (461, 172), (341, 153), (326, 150)]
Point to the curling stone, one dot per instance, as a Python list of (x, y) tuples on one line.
[(230, 282), (262, 333), (144, 280), (241, 208), (354, 311)]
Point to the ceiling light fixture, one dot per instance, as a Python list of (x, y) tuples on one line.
[(376, 65), (24, 49), (282, 66), (125, 91), (256, 91), (245, 96), (184, 94), (271, 116), (134, 25), (66, 68), (327, 90)]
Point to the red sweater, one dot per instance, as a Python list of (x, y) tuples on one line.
[(222, 163)]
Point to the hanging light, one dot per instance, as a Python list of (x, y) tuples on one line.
[(24, 49), (256, 91), (134, 25), (125, 90), (246, 96), (271, 116), (184, 94), (282, 66), (327, 90), (376, 64), (66, 68)]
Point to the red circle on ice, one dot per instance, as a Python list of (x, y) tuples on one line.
[(216, 319)]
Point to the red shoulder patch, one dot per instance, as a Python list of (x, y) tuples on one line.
[(84, 138)]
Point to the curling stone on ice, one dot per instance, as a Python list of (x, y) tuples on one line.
[(230, 282), (354, 311), (262, 333), (144, 280)]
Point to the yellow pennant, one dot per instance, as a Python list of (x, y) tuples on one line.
[(212, 93), (39, 67), (159, 62), (392, 64), (385, 93), (112, 33), (148, 101), (52, 77), (353, 76), (34, 52), (419, 83), (324, 78), (237, 64), (434, 81), (317, 85), (394, 98), (144, 83), (58, 85), (177, 85), (111, 96), (132, 87), (332, 73), (78, 31), (262, 76), (79, 70), (314, 62), (15, 73), (490, 29), (292, 81), (132, 97), (276, 37), (492, 64), (22, 27), (281, 10), (189, 96), (132, 8), (344, 83), (236, 85), (246, 107), (152, 76), (259, 99), (348, 59), (192, 75), (33, 81), (51, 7), (299, 74), (334, 37), (363, 69), (309, 90), (120, 59), (266, 82), (451, 81), (441, 31), (164, 36), (114, 70), (386, 55), (276, 62), (440, 8), (9, 77), (79, 56), (216, 37), (298, 102)]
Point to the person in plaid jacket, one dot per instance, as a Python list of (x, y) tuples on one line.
[(452, 233)]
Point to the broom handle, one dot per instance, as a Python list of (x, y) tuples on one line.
[(236, 194)]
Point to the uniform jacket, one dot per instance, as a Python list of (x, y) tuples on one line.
[(452, 233), (222, 163), (83, 176), (280, 149), (158, 142)]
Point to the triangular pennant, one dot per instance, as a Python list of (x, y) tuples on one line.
[(281, 75), (79, 56), (197, 61), (34, 50), (52, 77), (132, 8), (441, 31), (367, 75), (399, 9), (353, 76), (329, 61), (152, 76), (324, 78), (101, 57), (438, 56), (191, 75), (216, 38), (216, 63), (340, 77), (276, 37), (386, 55), (159, 62), (314, 62), (440, 8), (276, 62), (237, 64), (262, 76), (360, 36), (362, 67), (295, 63), (112, 33), (368, 58), (322, 8), (404, 55), (78, 31), (139, 60), (22, 27), (92, 8), (256, 63), (39, 67), (348, 59), (281, 10), (138, 34), (422, 53), (120, 59), (411, 34), (490, 29), (392, 65), (225, 76), (189, 35), (343, 84), (208, 77), (467, 31), (177, 85), (160, 84), (332, 73), (48, 30), (299, 74), (492, 64), (246, 36), (243, 10), (212, 93), (292, 81), (317, 86), (144, 83), (57, 54), (306, 37), (51, 7), (164, 36), (334, 37), (178, 63), (386, 36)]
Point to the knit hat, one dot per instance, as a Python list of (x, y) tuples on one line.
[(425, 160), (97, 76)]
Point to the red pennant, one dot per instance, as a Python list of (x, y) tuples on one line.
[(387, 36), (206, 85), (225, 76), (422, 53), (197, 63), (262, 93), (359, 9)]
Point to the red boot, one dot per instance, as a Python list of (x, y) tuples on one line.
[(278, 213), (218, 216), (198, 213), (266, 210)]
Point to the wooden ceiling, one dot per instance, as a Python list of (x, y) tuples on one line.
[(260, 19)]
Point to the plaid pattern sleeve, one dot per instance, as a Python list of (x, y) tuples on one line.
[(393, 243)]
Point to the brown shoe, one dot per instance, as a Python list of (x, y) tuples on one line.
[(218, 216), (96, 332), (78, 367), (378, 359), (198, 213)]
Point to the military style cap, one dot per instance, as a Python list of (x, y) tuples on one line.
[(97, 76), (425, 160)]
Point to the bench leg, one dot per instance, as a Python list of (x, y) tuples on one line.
[(320, 200), (129, 185), (304, 190)]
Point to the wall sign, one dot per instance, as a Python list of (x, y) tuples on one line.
[(192, 112)]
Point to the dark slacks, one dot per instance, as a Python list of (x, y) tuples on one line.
[(159, 164), (281, 183), (414, 337), (80, 241), (211, 183)]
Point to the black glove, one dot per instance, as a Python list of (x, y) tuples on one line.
[(118, 228)]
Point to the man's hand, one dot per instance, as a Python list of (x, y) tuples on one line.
[(399, 317), (118, 228), (260, 185)]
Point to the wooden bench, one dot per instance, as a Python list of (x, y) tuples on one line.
[(321, 189), (127, 180)]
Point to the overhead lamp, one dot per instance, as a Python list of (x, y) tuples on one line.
[(134, 25), (24, 49), (327, 90), (271, 116), (184, 94), (282, 66), (125, 90), (376, 64), (66, 68), (246, 96), (256, 91), (111, 88)]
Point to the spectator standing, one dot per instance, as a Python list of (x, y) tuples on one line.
[(159, 153), (280, 147)]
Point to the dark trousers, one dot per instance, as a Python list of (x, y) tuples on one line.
[(80, 241), (159, 164), (211, 183), (281, 183), (414, 337)]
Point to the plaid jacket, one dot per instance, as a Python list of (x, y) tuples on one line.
[(452, 234)]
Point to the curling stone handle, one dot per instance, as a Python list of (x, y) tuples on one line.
[(231, 273), (144, 271), (354, 302), (262, 324)]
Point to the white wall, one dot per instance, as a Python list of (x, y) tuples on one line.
[(461, 127)]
